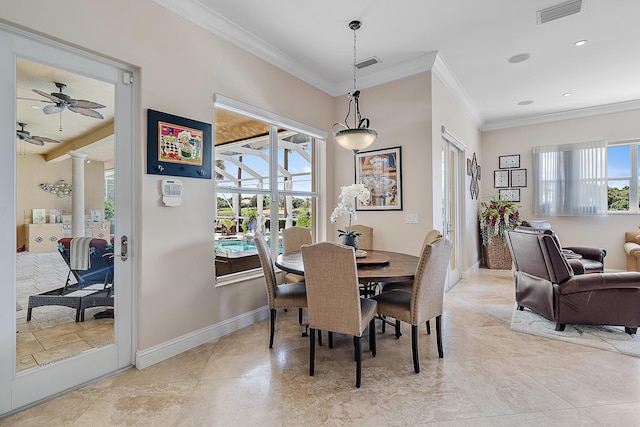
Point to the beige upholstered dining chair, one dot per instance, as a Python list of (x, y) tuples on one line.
[(425, 300), (286, 295), (365, 240), (334, 303), (292, 239)]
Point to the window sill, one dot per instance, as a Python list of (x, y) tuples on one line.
[(242, 276)]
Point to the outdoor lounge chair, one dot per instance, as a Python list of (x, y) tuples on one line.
[(83, 289)]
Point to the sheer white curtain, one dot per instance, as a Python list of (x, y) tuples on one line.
[(570, 179)]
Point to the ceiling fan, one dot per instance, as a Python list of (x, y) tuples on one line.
[(59, 101), (36, 140)]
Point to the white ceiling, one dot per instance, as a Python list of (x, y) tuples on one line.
[(473, 40), (31, 75)]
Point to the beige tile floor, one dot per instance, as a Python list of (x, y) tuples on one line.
[(52, 333), (489, 376)]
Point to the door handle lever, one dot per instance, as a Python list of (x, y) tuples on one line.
[(124, 248)]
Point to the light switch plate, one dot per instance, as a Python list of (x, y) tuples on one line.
[(411, 218)]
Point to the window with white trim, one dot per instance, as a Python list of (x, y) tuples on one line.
[(570, 179), (622, 176), (266, 180)]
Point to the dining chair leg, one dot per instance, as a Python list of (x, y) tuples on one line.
[(439, 336), (398, 334), (273, 327), (320, 337), (300, 315), (428, 328), (312, 351), (372, 336), (358, 361), (384, 323), (355, 349), (414, 348), (330, 339)]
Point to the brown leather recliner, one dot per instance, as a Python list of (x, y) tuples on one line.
[(546, 284), (582, 259)]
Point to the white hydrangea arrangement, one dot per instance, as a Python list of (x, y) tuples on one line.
[(347, 205)]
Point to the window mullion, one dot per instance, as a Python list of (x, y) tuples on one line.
[(274, 212), (633, 184)]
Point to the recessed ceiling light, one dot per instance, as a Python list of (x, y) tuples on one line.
[(580, 43), (566, 94), (527, 102), (521, 57)]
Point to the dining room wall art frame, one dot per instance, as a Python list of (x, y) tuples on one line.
[(178, 146), (509, 162), (501, 178), (510, 194), (381, 172), (518, 178)]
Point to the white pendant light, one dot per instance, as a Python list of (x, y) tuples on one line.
[(359, 136)]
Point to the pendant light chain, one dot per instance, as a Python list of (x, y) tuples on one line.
[(354, 59)]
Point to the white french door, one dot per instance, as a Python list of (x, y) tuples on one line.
[(18, 389), (453, 184)]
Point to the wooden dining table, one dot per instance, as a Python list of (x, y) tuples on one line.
[(376, 266)]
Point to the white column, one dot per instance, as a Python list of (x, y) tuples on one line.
[(77, 194)]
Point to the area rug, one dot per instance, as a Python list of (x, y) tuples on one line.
[(611, 338)]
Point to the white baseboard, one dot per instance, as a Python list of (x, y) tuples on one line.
[(158, 353)]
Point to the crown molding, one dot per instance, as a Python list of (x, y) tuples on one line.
[(442, 70), (619, 107), (395, 72), (209, 20), (204, 17)]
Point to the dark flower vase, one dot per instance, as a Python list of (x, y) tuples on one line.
[(349, 240)]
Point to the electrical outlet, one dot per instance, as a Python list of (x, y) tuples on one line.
[(411, 218)]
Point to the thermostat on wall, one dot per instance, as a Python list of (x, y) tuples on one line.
[(172, 192)]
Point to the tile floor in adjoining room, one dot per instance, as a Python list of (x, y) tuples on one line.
[(52, 333), (490, 376)]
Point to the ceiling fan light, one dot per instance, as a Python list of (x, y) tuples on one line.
[(355, 139)]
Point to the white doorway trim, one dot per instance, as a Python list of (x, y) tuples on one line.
[(18, 390)]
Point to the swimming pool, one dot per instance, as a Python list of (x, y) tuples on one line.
[(237, 245), (234, 245)]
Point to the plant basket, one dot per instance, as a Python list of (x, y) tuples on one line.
[(497, 255)]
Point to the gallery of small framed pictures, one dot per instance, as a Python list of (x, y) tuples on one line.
[(509, 178)]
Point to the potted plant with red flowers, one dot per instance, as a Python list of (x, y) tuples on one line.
[(496, 216)]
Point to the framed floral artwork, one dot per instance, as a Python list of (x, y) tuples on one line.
[(380, 171), (178, 146)]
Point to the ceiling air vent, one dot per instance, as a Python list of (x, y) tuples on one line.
[(367, 62), (559, 11)]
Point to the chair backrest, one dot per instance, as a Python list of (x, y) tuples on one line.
[(333, 298), (100, 262), (632, 236), (536, 252), (267, 267), (294, 237), (542, 224), (365, 240), (430, 278)]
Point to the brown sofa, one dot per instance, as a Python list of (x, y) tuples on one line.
[(582, 259), (546, 284), (632, 249)]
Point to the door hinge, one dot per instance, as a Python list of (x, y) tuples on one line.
[(127, 78)]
